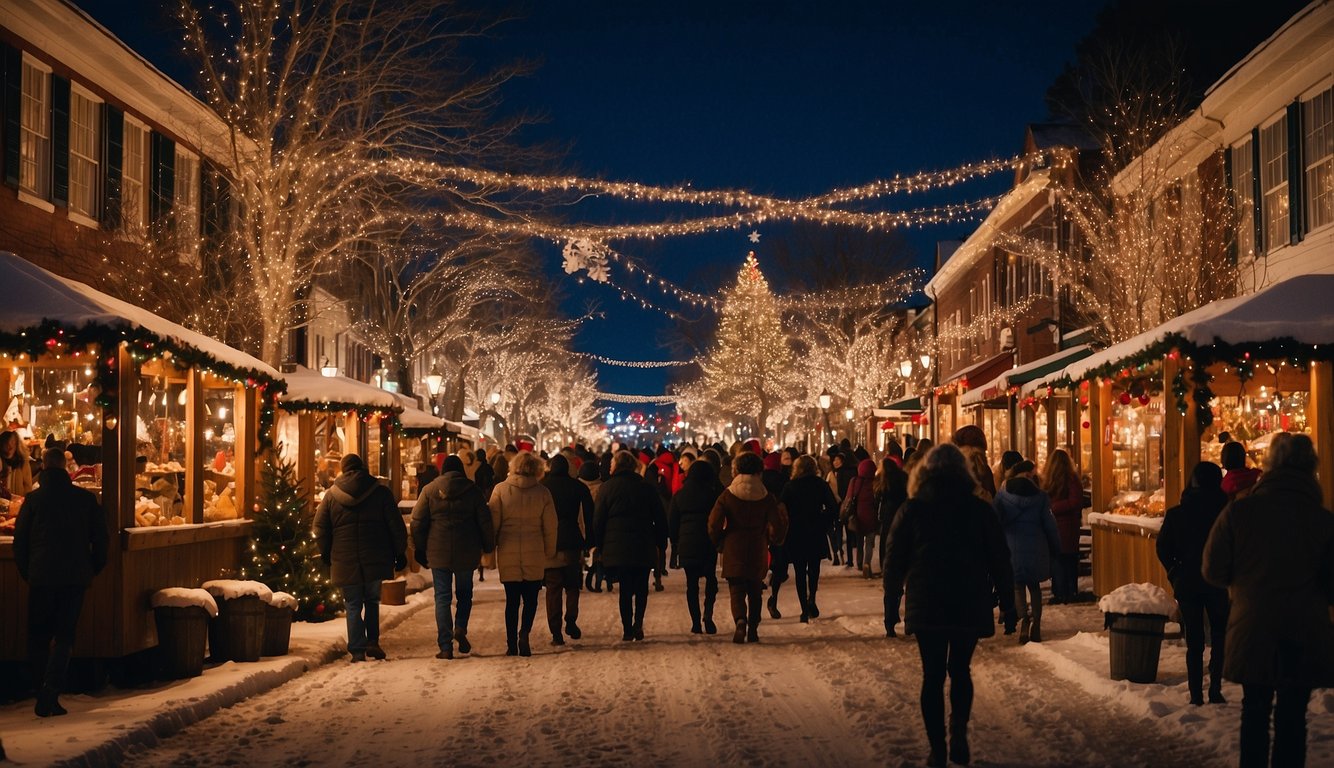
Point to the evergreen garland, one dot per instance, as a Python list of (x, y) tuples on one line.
[(283, 551)]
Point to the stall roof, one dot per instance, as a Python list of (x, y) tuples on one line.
[(1023, 374), (908, 405), (305, 386), (1295, 311), (414, 417), (34, 296), (472, 433), (981, 394)]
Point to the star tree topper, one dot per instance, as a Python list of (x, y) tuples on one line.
[(754, 236)]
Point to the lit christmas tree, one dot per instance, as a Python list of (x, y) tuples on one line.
[(283, 551), (750, 368)]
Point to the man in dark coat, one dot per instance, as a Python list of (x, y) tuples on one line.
[(1274, 552), (362, 536), (629, 529), (60, 544), (688, 521), (451, 528), (574, 518)]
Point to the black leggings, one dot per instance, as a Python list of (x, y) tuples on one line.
[(516, 592), (941, 654), (1194, 607), (807, 574), (634, 596), (710, 576)]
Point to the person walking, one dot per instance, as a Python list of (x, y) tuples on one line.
[(688, 529), (972, 436), (1060, 482), (362, 537), (574, 518), (774, 478), (1030, 532), (860, 515), (891, 490), (1274, 552), (1181, 550), (525, 519), (60, 546), (745, 521), (451, 528), (946, 545), (591, 476), (811, 510), (629, 530), (839, 478)]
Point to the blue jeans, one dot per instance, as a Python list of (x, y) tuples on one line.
[(363, 615), (447, 584)]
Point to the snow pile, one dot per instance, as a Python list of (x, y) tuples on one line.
[(282, 600), (1138, 598), (181, 597), (230, 589), (419, 580)]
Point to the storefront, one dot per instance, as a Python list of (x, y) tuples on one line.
[(410, 446), (162, 423)]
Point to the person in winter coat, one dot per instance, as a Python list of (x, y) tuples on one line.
[(574, 518), (1030, 532), (629, 530), (1060, 482), (972, 436), (839, 478), (891, 490), (1181, 550), (860, 514), (15, 471), (60, 545), (688, 528), (451, 528), (774, 478), (1238, 479), (1274, 552), (811, 510), (485, 477), (590, 474), (744, 522), (362, 537), (650, 471), (526, 523), (689, 455), (947, 546), (667, 470)]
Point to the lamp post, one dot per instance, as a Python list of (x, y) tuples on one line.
[(850, 414), (825, 400), (433, 381)]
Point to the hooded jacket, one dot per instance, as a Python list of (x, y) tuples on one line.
[(360, 531), (688, 521), (667, 472), (745, 520), (525, 519), (811, 511), (1183, 535), (451, 524), (60, 538), (574, 506), (1274, 552), (1030, 529), (862, 491), (629, 522)]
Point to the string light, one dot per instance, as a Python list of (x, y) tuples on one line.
[(640, 363)]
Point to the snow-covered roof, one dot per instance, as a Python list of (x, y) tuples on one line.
[(472, 433), (34, 296), (985, 234), (1296, 310), (307, 386), (414, 417)]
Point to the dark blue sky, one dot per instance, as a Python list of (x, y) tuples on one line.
[(789, 98)]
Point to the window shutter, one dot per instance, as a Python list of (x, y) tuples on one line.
[(1257, 195), (1296, 209), (12, 64), (162, 176), (59, 140), (113, 156)]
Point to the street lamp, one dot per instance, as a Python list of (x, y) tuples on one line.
[(433, 381), (824, 399), (905, 368), (495, 399), (926, 360)]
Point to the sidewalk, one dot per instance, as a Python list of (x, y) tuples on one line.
[(99, 729)]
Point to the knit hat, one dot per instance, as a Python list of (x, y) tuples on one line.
[(352, 461), (588, 471), (774, 461), (753, 446), (452, 464)]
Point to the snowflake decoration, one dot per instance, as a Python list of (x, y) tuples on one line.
[(586, 255), (754, 236)]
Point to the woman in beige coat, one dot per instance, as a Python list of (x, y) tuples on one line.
[(525, 519)]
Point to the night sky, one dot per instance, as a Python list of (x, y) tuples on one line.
[(785, 98)]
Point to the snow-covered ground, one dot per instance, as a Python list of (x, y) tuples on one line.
[(834, 692)]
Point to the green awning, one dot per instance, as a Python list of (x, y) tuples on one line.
[(910, 404), (1049, 364)]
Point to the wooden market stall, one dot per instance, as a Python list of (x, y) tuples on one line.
[(320, 418), (115, 384), (1244, 368), (410, 446)]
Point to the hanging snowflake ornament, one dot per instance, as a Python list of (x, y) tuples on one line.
[(586, 255), (754, 236)]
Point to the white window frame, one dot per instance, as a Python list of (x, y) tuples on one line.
[(35, 141), (86, 211), (185, 203), (1243, 196), (1318, 172), (1274, 211), (140, 223)]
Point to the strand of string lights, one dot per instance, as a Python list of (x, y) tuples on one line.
[(611, 397), (639, 363)]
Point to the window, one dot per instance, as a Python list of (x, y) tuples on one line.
[(35, 132), (1318, 155), (1274, 183), (84, 153), (1243, 196), (134, 190), (986, 307), (185, 203)]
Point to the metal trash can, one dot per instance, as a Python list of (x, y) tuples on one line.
[(1136, 640)]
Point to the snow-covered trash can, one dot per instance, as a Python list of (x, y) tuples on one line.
[(237, 634), (394, 591), (182, 629), (1134, 616), (278, 624)]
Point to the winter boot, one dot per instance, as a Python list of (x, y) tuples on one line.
[(1025, 627), (959, 752), (557, 639), (374, 651), (739, 636), (772, 604), (465, 647), (573, 630), (48, 703), (639, 631), (524, 648), (447, 653)]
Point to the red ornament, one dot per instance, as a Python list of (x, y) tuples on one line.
[(1085, 425), (1083, 399), (1084, 384), (319, 609), (1144, 399), (1124, 398), (887, 426)]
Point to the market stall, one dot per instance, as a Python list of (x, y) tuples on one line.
[(1244, 368), (320, 418), (410, 446), (162, 423)]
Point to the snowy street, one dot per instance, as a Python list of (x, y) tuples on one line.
[(834, 692)]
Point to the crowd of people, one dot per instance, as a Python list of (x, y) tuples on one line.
[(963, 545)]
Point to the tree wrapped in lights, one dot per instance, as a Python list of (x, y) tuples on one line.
[(283, 551), (750, 368)]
